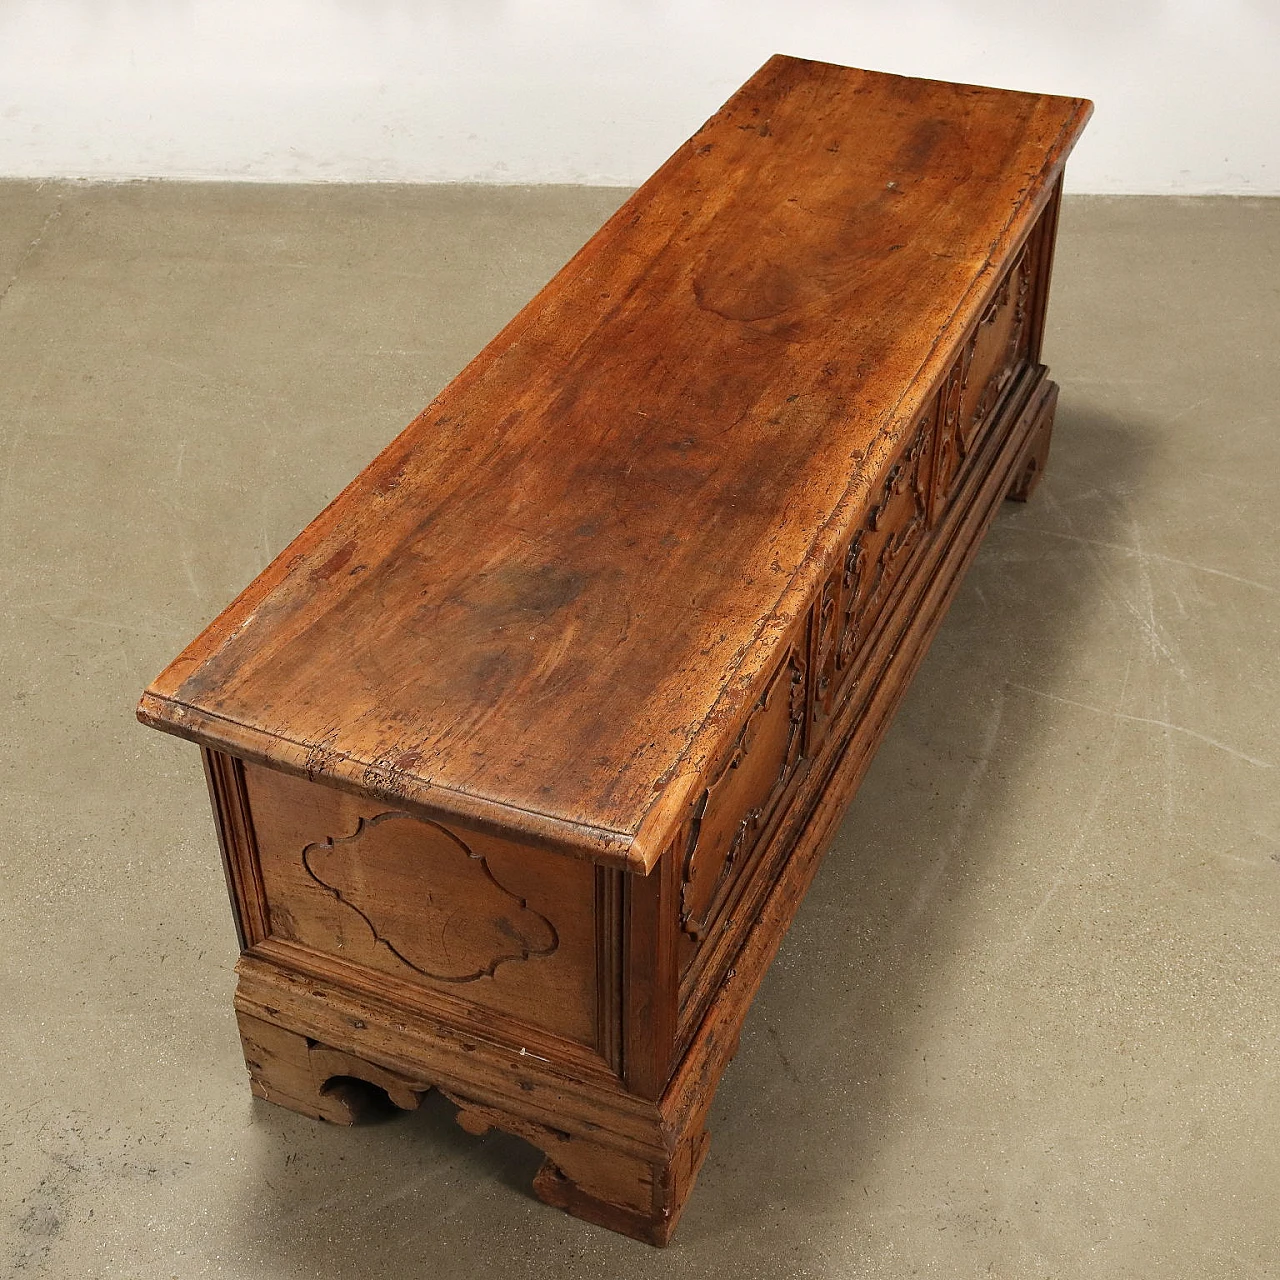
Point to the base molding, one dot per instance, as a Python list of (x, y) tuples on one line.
[(637, 1194)]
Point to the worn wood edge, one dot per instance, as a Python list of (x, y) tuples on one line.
[(638, 853), (655, 1227), (658, 828), (316, 1080), (715, 1041), (560, 1192), (411, 795)]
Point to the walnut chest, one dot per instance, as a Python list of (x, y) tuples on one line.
[(523, 753)]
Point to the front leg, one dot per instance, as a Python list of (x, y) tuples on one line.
[(326, 1084), (639, 1194)]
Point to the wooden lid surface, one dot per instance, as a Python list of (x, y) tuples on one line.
[(547, 603)]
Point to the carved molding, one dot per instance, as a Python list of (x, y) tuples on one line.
[(443, 943), (863, 600), (824, 622), (927, 470), (873, 561), (959, 431), (950, 450), (1015, 290)]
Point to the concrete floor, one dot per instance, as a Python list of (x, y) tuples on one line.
[(1025, 1024)]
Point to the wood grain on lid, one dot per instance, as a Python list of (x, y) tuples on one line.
[(546, 604)]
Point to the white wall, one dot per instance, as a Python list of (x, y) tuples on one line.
[(597, 91)]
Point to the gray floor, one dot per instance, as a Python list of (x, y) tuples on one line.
[(1025, 1024)]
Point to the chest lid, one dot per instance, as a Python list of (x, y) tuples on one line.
[(545, 605)]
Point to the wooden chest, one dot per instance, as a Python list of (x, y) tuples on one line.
[(524, 752)]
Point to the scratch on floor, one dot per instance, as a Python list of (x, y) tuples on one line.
[(1158, 724), (184, 554), (1185, 412), (52, 217), (963, 811), (1149, 622), (782, 1057), (1152, 555), (1086, 823), (108, 624)]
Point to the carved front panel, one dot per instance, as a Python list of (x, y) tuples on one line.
[(984, 369), (501, 927), (854, 597), (741, 798)]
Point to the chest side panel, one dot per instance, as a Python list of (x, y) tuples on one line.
[(458, 917)]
